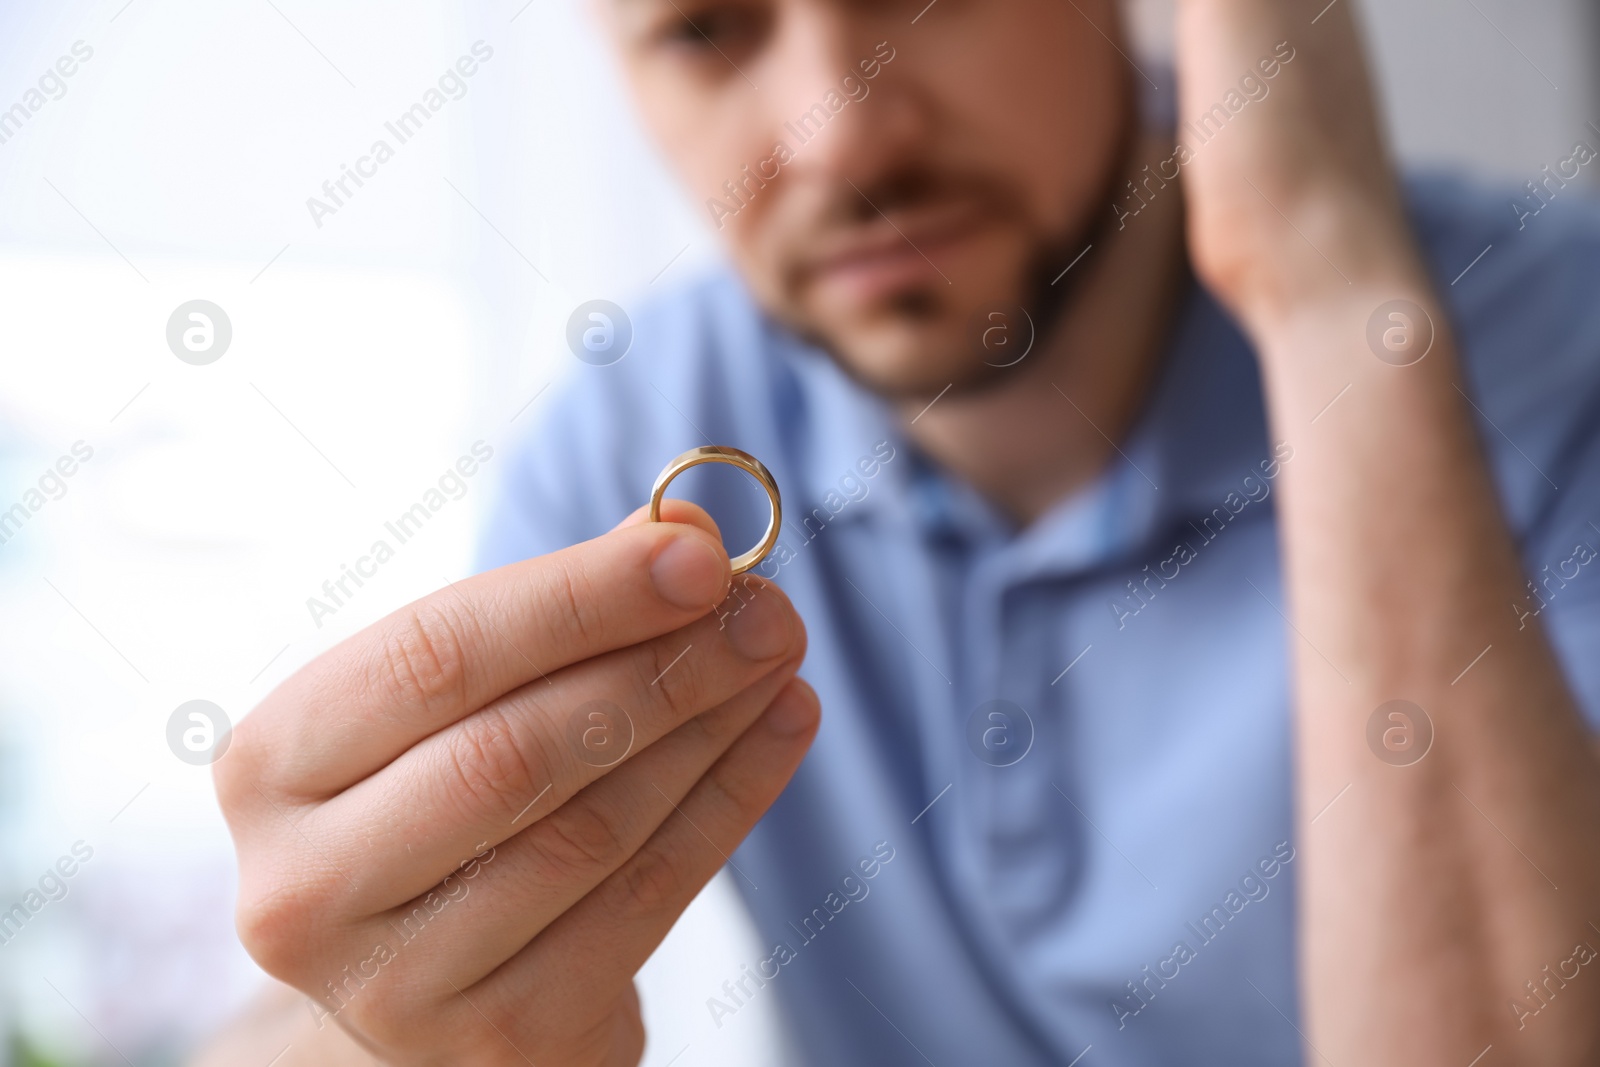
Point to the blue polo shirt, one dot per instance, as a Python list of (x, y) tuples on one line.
[(1049, 806)]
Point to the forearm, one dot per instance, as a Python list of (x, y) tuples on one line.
[(1432, 892)]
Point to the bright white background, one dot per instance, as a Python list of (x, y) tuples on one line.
[(368, 354)]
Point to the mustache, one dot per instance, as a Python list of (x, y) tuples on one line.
[(835, 215), (819, 222), (850, 205)]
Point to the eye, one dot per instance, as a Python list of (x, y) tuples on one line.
[(709, 29)]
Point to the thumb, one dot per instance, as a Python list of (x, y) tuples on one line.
[(680, 511)]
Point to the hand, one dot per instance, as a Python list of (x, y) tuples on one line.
[(1308, 157), (429, 845)]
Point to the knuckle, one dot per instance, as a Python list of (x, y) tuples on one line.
[(572, 590), (257, 764), (736, 798), (481, 1028), (628, 1038), (492, 762), (673, 678), (423, 659), (235, 776), (581, 838), (722, 725), (719, 728), (655, 881), (393, 1020), (277, 925)]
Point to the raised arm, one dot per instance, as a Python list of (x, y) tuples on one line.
[(1433, 892)]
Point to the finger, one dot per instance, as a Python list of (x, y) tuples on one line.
[(672, 510), (614, 929), (445, 656), (535, 876), (517, 887), (501, 768)]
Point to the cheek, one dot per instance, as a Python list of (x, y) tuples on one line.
[(1044, 102), (706, 133), (708, 139)]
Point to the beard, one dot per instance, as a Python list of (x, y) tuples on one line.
[(963, 366)]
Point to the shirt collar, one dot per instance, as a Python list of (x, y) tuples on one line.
[(837, 431), (1201, 434)]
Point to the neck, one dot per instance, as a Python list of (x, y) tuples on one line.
[(1051, 428)]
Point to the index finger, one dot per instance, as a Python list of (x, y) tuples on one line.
[(368, 699)]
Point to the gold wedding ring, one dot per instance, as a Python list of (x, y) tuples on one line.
[(745, 462)]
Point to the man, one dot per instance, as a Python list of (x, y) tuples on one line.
[(1192, 543)]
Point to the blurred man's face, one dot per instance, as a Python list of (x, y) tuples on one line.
[(882, 183)]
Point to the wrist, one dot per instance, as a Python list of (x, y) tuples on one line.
[(1337, 257), (1381, 336), (1394, 319), (1372, 363)]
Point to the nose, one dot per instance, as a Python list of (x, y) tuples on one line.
[(843, 99)]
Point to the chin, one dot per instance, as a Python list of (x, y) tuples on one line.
[(921, 337), (918, 343), (907, 357)]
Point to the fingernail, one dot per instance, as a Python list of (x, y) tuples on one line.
[(689, 574), (790, 714), (758, 622)]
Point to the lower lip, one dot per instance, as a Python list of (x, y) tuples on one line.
[(874, 278)]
